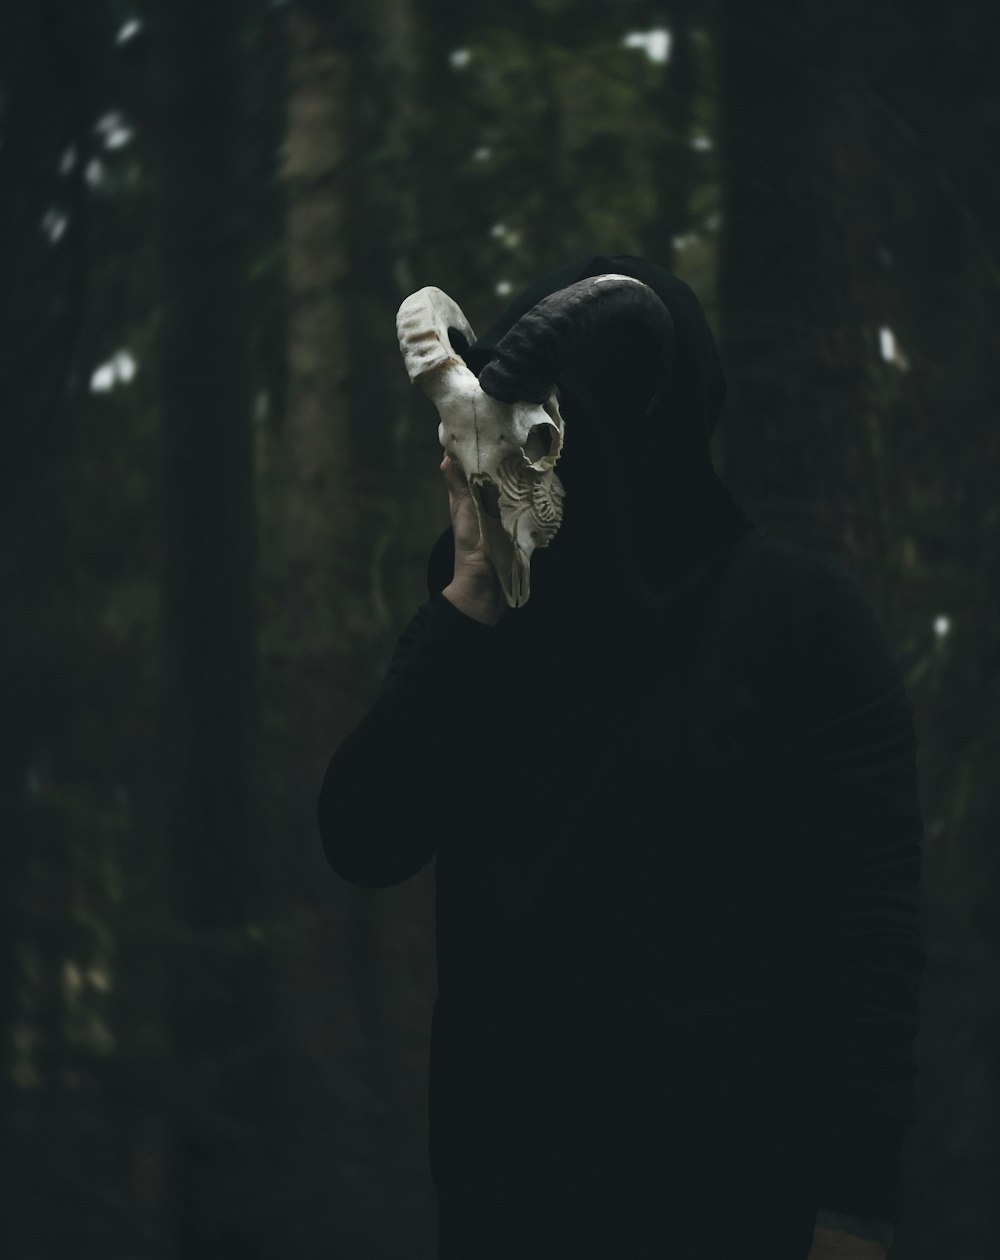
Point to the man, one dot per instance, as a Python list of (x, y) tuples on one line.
[(672, 804)]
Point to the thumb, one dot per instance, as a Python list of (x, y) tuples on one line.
[(454, 477)]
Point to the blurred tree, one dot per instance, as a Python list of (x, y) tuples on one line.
[(794, 318), (357, 971), (304, 470), (32, 134), (222, 1034), (672, 102), (930, 81), (65, 763)]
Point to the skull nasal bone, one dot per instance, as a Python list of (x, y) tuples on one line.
[(489, 499)]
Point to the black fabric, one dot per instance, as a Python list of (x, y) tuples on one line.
[(676, 845), (644, 507)]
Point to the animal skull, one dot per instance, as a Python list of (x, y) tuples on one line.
[(508, 451)]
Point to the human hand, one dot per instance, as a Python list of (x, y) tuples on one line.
[(837, 1244), (474, 589)]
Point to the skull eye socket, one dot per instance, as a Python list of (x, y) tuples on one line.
[(538, 443)]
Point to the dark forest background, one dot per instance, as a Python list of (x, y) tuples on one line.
[(218, 492)]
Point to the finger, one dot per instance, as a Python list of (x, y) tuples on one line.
[(454, 478)]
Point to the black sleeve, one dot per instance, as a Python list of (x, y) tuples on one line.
[(393, 790), (854, 889)]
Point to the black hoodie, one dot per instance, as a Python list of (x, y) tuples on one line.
[(677, 847)]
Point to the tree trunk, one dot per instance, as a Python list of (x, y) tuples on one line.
[(358, 984), (219, 997), (791, 337), (676, 165), (307, 457), (50, 64)]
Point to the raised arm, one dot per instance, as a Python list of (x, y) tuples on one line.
[(382, 808)]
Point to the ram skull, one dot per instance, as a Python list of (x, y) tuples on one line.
[(507, 450)]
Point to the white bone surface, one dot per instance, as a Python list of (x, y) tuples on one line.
[(507, 451)]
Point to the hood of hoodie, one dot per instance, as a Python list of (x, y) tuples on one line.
[(646, 517)]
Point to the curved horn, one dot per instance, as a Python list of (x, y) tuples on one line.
[(422, 325), (532, 354)]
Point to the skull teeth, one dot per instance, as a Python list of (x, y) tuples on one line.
[(524, 493), (546, 500)]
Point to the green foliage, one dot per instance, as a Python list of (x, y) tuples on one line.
[(562, 148)]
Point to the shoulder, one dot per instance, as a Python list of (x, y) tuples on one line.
[(812, 624), (800, 588), (828, 652), (796, 572)]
